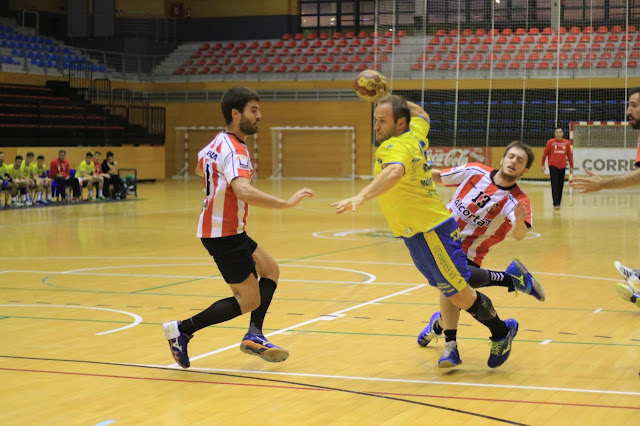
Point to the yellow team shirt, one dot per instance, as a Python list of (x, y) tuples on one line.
[(27, 171), (412, 205), (85, 169), (13, 172), (39, 171), (3, 170)]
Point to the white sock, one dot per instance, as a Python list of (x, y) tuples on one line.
[(99, 192), (90, 194), (39, 196), (24, 197)]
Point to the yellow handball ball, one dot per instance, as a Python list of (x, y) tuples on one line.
[(369, 85)]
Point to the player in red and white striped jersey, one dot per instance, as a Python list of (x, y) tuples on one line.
[(226, 167), (487, 205)]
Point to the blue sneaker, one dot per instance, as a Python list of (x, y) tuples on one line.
[(428, 334), (500, 349), (450, 357), (258, 345), (626, 292), (523, 281), (177, 343)]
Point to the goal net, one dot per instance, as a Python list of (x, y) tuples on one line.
[(189, 142), (313, 152), (606, 148)]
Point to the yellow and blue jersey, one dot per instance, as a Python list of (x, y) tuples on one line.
[(27, 170), (13, 172), (85, 169), (40, 171), (3, 170), (412, 205)]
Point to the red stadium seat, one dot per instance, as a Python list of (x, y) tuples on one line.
[(268, 68), (591, 55), (255, 68), (507, 31), (519, 57), (595, 47), (469, 48), (336, 36), (362, 67), (561, 30), (441, 33), (205, 46), (520, 31), (543, 66), (230, 70), (587, 30), (308, 68), (599, 38), (556, 39), (538, 48), (534, 56), (467, 32), (572, 64), (616, 64), (613, 38), (454, 33), (515, 65), (348, 68), (547, 31), (631, 28), (533, 31), (214, 61), (574, 30), (335, 67), (576, 55), (530, 65), (501, 40), (243, 69), (549, 56), (524, 48), (321, 68), (312, 36), (362, 34), (505, 57), (620, 55), (324, 36), (480, 32), (567, 47), (580, 47), (444, 66), (601, 64), (603, 30), (632, 64), (605, 55), (216, 70), (486, 66)]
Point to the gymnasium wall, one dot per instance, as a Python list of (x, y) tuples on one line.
[(275, 114)]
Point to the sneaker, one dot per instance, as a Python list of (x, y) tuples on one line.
[(16, 204), (428, 334), (177, 343), (257, 344), (523, 281), (450, 357), (500, 349), (626, 292), (28, 203), (631, 275)]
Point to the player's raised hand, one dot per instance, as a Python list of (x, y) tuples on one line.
[(347, 204), (298, 196), (592, 183), (520, 211)]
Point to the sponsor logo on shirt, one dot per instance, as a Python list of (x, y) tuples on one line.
[(243, 162), (469, 217)]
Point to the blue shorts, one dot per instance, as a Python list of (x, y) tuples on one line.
[(5, 183), (438, 255)]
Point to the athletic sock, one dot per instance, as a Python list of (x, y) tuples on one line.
[(221, 311), (450, 335), (483, 311), (267, 288), (436, 327)]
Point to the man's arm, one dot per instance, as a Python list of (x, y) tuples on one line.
[(386, 180), (595, 183), (417, 111), (435, 174), (199, 170), (520, 226), (247, 193)]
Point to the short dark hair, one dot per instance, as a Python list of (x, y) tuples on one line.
[(89, 154), (523, 146), (30, 154), (40, 157), (399, 106), (61, 151), (19, 157), (109, 154), (633, 91), (236, 98)]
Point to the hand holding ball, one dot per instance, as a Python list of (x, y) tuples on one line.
[(370, 85)]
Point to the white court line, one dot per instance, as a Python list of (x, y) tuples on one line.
[(546, 342), (421, 382), (109, 274), (323, 318), (137, 318)]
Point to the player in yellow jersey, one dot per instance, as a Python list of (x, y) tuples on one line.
[(85, 173), (409, 201), (15, 174), (7, 184), (42, 180), (28, 174)]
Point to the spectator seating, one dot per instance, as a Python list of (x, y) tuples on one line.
[(507, 51)]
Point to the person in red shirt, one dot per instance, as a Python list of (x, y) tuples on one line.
[(59, 172), (559, 151)]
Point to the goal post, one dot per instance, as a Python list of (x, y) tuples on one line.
[(190, 140), (603, 147), (314, 152)]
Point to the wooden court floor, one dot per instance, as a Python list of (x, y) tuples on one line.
[(84, 290)]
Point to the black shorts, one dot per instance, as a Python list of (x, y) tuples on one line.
[(233, 255)]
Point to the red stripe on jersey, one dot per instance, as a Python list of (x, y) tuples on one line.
[(490, 190), (498, 236), (230, 215)]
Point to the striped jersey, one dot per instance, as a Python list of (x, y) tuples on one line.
[(485, 212), (223, 160)]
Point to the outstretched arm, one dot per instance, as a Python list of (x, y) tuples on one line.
[(247, 193), (595, 183), (386, 180)]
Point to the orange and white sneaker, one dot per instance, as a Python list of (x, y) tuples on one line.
[(258, 345)]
